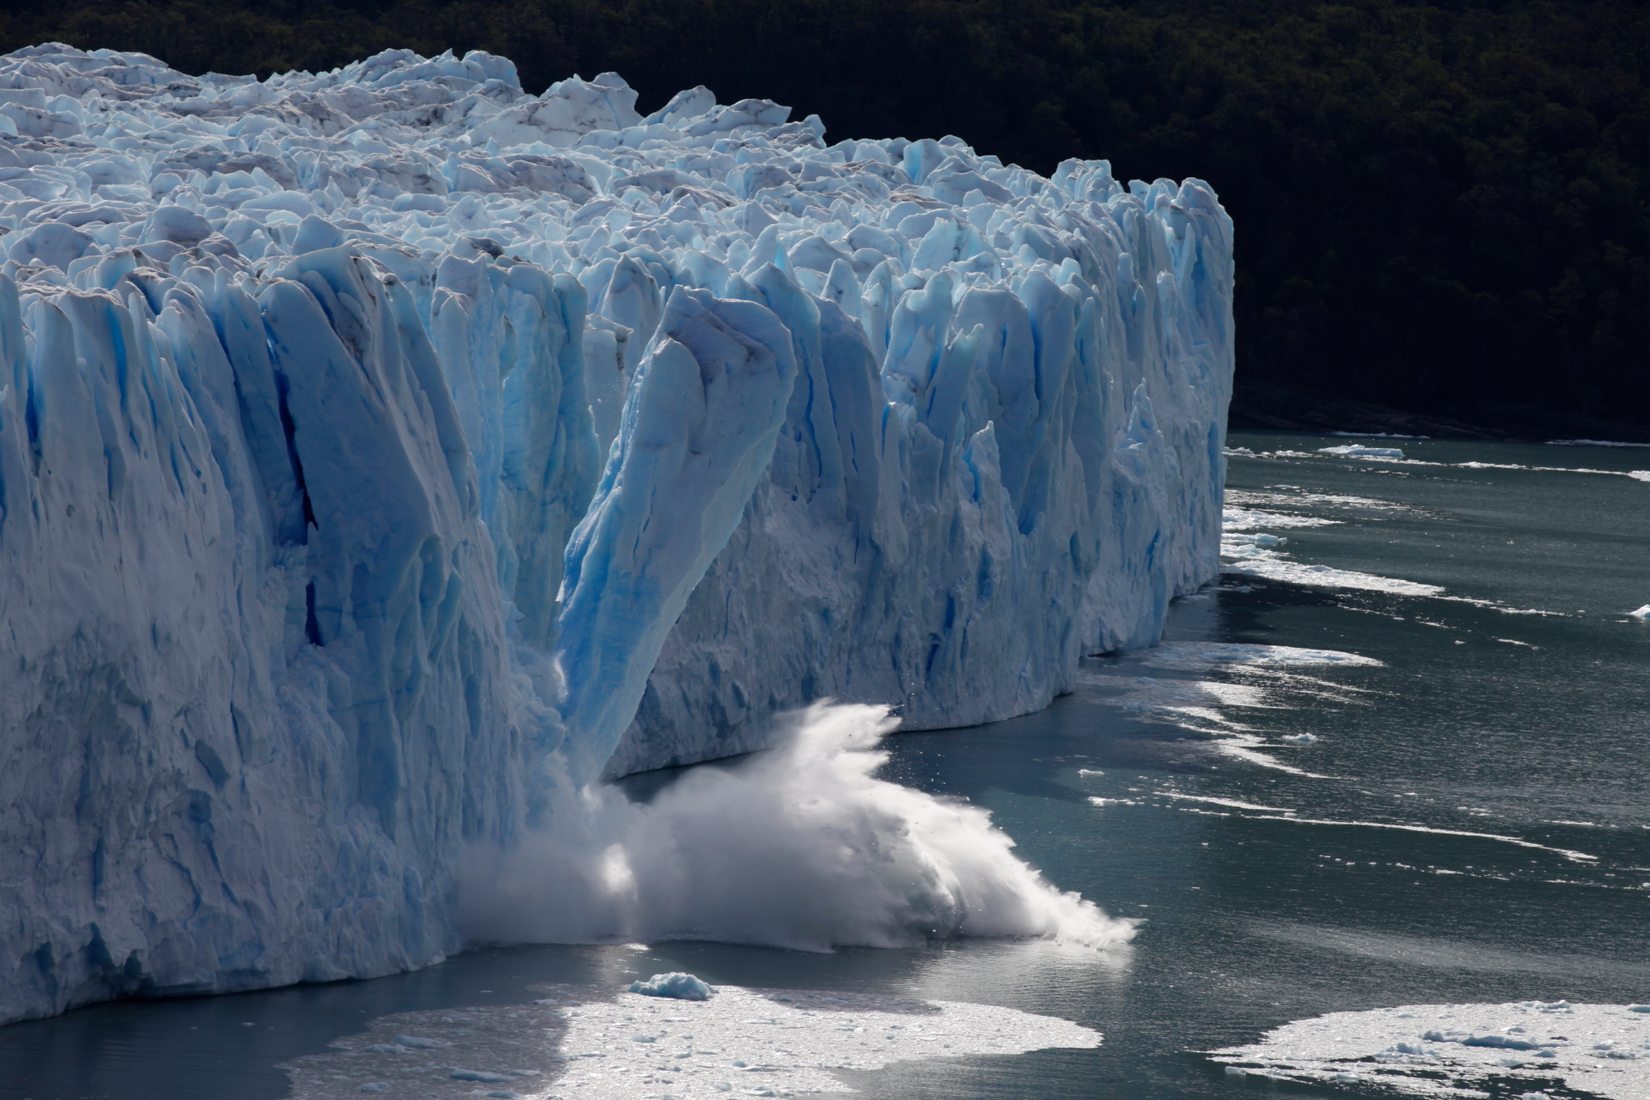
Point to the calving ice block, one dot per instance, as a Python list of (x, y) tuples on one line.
[(383, 452)]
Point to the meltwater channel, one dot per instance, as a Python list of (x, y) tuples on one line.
[(1396, 759)]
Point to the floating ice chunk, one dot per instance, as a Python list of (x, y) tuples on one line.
[(1324, 576), (1499, 1042), (1358, 450), (417, 1042), (1197, 656), (1460, 1050), (1592, 443), (1642, 613), (683, 987), (1250, 519)]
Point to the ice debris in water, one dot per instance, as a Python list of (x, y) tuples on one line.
[(743, 1042), (384, 452), (1358, 450), (1459, 1050), (683, 987), (1642, 613)]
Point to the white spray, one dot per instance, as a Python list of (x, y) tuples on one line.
[(800, 847)]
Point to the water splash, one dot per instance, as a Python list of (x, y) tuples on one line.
[(800, 847)]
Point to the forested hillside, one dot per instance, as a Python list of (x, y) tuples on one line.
[(1443, 208)]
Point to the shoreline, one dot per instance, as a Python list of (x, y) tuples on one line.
[(1268, 407)]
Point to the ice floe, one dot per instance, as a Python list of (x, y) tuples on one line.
[(584, 1044), (1462, 1050)]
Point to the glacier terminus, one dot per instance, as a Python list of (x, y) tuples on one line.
[(388, 453)]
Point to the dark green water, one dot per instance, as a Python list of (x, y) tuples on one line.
[(1249, 808)]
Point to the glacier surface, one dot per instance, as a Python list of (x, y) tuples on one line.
[(378, 445)]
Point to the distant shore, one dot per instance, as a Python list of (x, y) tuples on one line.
[(1267, 406)]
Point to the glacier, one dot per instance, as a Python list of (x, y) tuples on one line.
[(383, 450)]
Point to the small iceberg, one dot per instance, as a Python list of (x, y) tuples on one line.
[(683, 987), (1642, 614), (1358, 450)]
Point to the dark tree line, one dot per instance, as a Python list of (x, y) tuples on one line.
[(1443, 207)]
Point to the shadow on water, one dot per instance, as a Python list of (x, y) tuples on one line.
[(231, 1046)]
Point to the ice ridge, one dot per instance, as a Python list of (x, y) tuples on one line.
[(375, 443)]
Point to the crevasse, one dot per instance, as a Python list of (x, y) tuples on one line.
[(375, 444)]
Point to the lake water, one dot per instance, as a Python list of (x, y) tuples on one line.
[(1397, 756)]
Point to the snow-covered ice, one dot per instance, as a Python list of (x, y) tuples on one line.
[(383, 452), (1461, 1050)]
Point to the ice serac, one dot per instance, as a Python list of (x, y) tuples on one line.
[(698, 431), (376, 445)]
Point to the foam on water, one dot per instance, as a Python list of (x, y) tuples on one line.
[(1247, 550), (1251, 519), (1293, 496), (1518, 842), (1203, 687), (1228, 803)]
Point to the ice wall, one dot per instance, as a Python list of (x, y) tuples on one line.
[(377, 444)]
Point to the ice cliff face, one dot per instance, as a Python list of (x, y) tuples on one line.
[(374, 443)]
